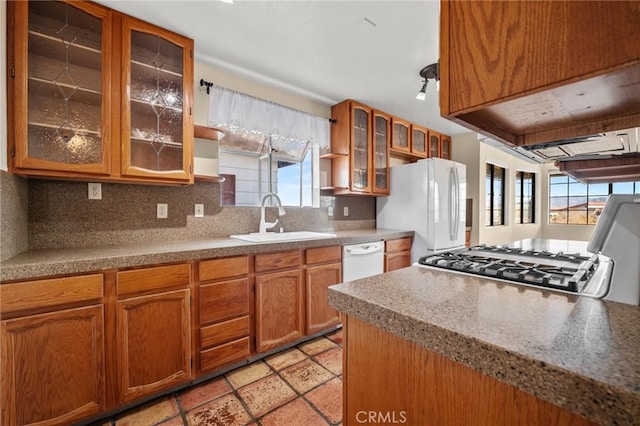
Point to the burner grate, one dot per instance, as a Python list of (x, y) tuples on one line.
[(568, 272)]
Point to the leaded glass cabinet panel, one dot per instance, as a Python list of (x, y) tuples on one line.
[(59, 57)]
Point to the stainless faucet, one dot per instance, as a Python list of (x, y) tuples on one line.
[(268, 225)]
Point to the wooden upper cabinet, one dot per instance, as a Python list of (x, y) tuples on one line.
[(419, 141), (400, 136), (351, 147), (534, 71), (434, 144), (157, 87), (59, 55), (86, 83), (381, 129), (445, 147)]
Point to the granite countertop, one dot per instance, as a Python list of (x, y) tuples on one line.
[(43, 263), (574, 351)]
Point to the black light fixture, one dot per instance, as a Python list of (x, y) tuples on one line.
[(429, 72)]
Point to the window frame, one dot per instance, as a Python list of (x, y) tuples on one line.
[(635, 187), (521, 179), (491, 207)]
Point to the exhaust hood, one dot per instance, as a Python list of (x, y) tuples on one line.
[(598, 146), (603, 145)]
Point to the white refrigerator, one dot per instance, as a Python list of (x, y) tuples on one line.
[(427, 197)]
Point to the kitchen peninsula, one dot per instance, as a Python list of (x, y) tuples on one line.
[(434, 347)]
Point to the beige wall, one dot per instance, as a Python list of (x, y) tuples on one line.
[(467, 150), (224, 78)]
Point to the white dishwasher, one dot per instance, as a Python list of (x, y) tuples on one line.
[(362, 260)]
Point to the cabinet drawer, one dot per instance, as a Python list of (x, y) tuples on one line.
[(274, 261), (223, 268), (224, 300), (223, 332), (159, 277), (224, 354), (48, 293), (324, 254), (395, 261), (400, 244)]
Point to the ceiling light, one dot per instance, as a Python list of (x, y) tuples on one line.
[(227, 1), (422, 94), (429, 72)]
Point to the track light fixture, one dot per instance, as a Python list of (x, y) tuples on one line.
[(429, 72), (422, 94)]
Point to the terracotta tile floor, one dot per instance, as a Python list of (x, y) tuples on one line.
[(299, 386)]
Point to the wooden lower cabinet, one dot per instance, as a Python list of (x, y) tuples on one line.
[(224, 309), (153, 343), (53, 367), (324, 268), (278, 309), (397, 254), (396, 381)]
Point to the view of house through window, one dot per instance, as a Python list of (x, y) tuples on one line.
[(525, 197), (494, 206), (576, 203)]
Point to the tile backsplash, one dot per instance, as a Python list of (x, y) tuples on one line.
[(61, 215)]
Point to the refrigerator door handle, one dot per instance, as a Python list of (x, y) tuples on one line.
[(457, 198), (452, 206)]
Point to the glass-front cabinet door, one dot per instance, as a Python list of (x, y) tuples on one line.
[(360, 148), (445, 147), (59, 55), (419, 140), (157, 129), (381, 135), (400, 134), (434, 144)]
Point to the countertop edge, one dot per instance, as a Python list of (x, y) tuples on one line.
[(598, 399), (47, 263)]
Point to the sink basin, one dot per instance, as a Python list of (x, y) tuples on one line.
[(275, 237)]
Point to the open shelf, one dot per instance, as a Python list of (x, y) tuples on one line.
[(166, 143), (54, 127), (139, 106), (210, 179), (48, 17), (331, 156), (52, 47)]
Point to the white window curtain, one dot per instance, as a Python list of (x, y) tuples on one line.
[(254, 118)]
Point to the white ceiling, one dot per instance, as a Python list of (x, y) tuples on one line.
[(325, 50)]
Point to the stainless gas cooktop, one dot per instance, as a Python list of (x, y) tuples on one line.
[(568, 272)]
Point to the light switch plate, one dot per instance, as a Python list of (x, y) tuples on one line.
[(163, 211), (330, 210), (346, 211), (95, 191), (199, 210)]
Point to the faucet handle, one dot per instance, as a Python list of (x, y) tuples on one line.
[(267, 225)]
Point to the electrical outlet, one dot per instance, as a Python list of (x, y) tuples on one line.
[(199, 210), (163, 211), (95, 191), (346, 211), (330, 210)]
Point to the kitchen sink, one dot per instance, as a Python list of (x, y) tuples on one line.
[(276, 237)]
